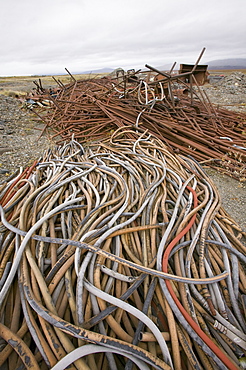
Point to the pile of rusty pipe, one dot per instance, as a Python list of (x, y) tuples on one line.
[(118, 255), (90, 110)]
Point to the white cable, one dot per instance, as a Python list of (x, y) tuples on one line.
[(89, 349), (135, 312)]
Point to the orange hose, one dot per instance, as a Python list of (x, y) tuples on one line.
[(8, 196), (188, 318), (25, 174)]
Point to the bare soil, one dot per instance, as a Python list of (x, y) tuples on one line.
[(21, 144)]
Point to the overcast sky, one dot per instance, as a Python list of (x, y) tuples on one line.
[(45, 36)]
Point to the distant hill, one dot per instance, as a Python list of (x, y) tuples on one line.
[(218, 64), (236, 63), (101, 70)]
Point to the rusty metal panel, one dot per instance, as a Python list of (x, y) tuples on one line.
[(200, 72)]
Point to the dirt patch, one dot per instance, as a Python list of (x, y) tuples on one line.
[(20, 144), (233, 195), (229, 92)]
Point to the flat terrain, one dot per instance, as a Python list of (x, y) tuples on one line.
[(23, 84)]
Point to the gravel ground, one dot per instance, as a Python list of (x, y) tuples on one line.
[(233, 196), (20, 144), (229, 92)]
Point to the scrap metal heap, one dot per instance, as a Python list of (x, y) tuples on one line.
[(115, 252), (119, 254), (176, 111)]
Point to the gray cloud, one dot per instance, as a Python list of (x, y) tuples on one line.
[(47, 36)]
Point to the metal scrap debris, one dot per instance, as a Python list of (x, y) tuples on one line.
[(177, 112)]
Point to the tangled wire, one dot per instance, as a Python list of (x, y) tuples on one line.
[(119, 255)]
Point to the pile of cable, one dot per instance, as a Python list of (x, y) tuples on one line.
[(118, 255)]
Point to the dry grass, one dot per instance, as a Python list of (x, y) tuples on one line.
[(19, 85), (225, 72), (13, 93), (46, 79)]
